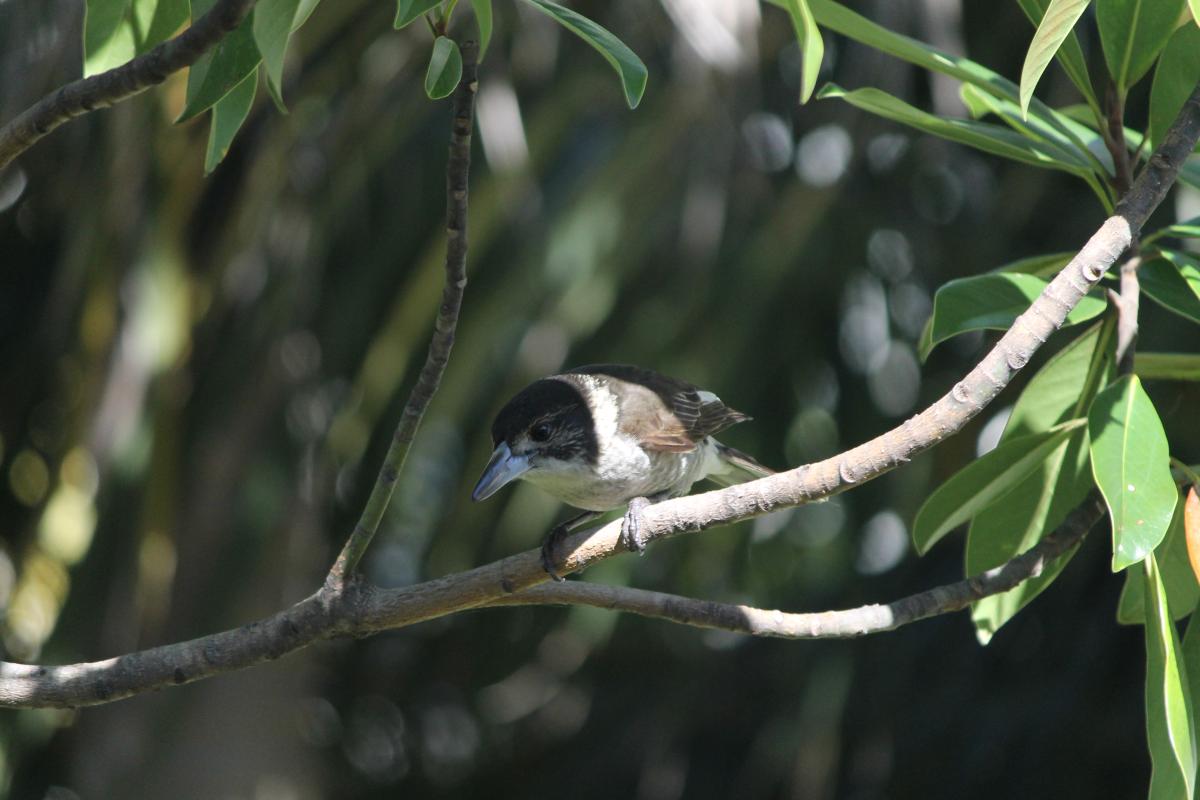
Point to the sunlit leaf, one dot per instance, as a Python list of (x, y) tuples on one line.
[(629, 67), (114, 31), (1130, 464), (1191, 530), (483, 18), (445, 68), (981, 482), (812, 49), (981, 103), (1175, 77), (228, 114), (1188, 229), (1173, 282), (1062, 389), (1167, 366), (1178, 580), (1132, 33), (1045, 265), (992, 302), (409, 10), (1070, 54), (219, 70), (272, 27), (1055, 26), (989, 138), (1170, 724)]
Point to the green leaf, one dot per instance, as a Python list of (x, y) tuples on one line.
[(1130, 464), (1170, 724), (302, 13), (1189, 173), (1175, 77), (812, 49), (114, 31), (1061, 390), (990, 301), (981, 482), (409, 10), (1173, 282), (1132, 32), (1046, 265), (228, 114), (1070, 54), (980, 103), (980, 135), (1167, 366), (629, 67), (219, 70), (1188, 229), (1052, 31), (1177, 577), (272, 27), (483, 18), (445, 68)]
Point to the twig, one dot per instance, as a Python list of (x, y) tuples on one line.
[(458, 167), (1114, 139), (360, 609), (109, 87), (827, 624)]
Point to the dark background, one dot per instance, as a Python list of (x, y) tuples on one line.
[(199, 377)]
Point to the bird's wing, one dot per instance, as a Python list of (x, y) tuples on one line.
[(665, 413)]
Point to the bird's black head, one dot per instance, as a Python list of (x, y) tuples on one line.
[(546, 426)]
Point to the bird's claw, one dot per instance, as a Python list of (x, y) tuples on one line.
[(549, 547), (632, 537)]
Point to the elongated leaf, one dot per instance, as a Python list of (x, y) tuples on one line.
[(1191, 530), (1044, 266), (992, 302), (1130, 465), (114, 31), (980, 103), (812, 49), (1173, 282), (629, 67), (272, 27), (1188, 229), (1056, 25), (1170, 724), (1175, 77), (219, 70), (1132, 33), (228, 114), (445, 68), (1167, 366), (302, 13), (1070, 54), (1178, 580), (409, 10), (1189, 173), (483, 18), (980, 135), (981, 482), (1062, 389)]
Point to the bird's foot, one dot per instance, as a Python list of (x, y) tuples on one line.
[(632, 537), (549, 548)]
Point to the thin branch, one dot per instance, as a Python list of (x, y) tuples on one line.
[(358, 608), (99, 91), (458, 167), (827, 624), (1114, 139)]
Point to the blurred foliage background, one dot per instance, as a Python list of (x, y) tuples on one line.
[(200, 376)]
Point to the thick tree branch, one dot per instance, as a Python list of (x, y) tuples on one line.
[(360, 609), (99, 91), (458, 167), (827, 624)]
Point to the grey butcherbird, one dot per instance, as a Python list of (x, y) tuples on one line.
[(608, 435)]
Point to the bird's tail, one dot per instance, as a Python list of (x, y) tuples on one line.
[(738, 467)]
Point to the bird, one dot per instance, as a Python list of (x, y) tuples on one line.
[(603, 436)]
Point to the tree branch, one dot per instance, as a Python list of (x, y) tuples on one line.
[(458, 167), (99, 91), (358, 608), (827, 624)]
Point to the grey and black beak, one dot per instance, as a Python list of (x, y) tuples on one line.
[(503, 468)]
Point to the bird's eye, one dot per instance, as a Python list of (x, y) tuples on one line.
[(540, 432)]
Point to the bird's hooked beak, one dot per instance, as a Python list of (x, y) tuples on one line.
[(504, 467)]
